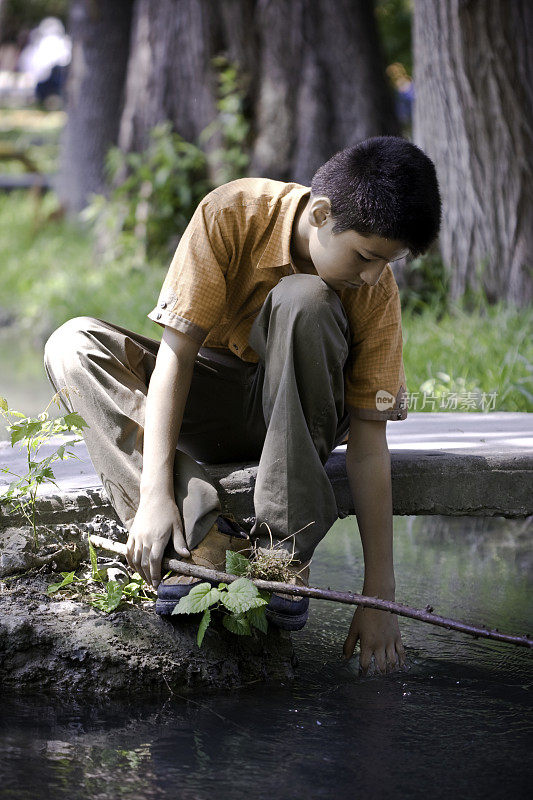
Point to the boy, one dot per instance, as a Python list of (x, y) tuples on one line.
[(282, 334)]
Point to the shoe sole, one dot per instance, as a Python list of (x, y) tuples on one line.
[(290, 615), (164, 606), (286, 622)]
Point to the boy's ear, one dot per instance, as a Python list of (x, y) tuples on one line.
[(319, 210)]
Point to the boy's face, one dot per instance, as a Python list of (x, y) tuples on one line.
[(347, 259)]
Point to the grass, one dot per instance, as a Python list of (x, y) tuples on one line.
[(50, 274), (488, 349)]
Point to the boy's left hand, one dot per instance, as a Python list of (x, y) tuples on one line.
[(379, 634)]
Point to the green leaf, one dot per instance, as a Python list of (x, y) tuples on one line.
[(68, 577), (75, 420), (237, 624), (3, 403), (236, 563), (204, 623), (257, 618), (44, 473), (241, 595), (23, 430), (199, 598), (95, 575), (97, 601), (114, 595)]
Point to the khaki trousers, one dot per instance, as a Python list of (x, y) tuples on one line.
[(287, 411)]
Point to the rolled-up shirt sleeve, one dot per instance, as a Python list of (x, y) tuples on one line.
[(375, 385), (193, 295)]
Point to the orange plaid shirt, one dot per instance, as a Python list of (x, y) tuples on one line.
[(235, 249)]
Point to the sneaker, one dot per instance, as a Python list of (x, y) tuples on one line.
[(211, 553), (286, 611)]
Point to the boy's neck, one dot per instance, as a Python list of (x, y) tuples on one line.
[(300, 239)]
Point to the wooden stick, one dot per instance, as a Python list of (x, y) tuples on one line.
[(348, 598)]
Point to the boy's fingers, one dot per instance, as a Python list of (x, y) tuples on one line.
[(351, 639), (379, 656), (130, 544), (364, 660), (156, 556), (137, 554), (392, 658), (401, 652), (350, 642), (145, 563), (348, 648), (180, 545)]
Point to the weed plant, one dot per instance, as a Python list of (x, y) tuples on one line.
[(33, 433)]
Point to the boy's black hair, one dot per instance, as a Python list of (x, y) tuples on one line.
[(384, 186)]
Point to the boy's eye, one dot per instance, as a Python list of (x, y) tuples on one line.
[(363, 258)]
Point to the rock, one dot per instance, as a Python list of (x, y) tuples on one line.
[(64, 546), (61, 544), (50, 644)]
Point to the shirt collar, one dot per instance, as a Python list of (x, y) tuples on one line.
[(277, 252)]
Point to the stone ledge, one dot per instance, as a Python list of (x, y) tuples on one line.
[(451, 464), (422, 483)]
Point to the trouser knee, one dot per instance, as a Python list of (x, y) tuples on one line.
[(67, 342), (306, 297), (305, 310)]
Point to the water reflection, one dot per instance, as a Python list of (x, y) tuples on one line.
[(23, 380), (456, 723)]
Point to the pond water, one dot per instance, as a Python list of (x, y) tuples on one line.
[(458, 723), (23, 380)]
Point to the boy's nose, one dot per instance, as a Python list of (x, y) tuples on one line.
[(372, 276)]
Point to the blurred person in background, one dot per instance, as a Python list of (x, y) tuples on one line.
[(46, 58), (404, 92)]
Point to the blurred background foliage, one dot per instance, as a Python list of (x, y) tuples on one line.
[(394, 24), (18, 16)]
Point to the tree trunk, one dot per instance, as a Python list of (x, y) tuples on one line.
[(100, 32), (474, 117), (169, 72), (313, 69), (322, 84)]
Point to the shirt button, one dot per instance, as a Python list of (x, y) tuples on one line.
[(163, 304), (159, 315)]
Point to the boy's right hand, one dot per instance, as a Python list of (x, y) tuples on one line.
[(157, 518)]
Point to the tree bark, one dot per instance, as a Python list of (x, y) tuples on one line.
[(314, 74), (169, 72), (100, 32), (322, 84), (474, 118)]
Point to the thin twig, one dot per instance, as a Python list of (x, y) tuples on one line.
[(348, 598)]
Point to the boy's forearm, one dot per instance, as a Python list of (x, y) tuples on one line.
[(165, 403), (370, 483)]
